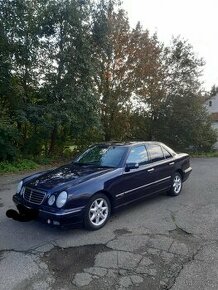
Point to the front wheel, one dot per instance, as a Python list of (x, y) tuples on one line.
[(176, 186), (97, 212)]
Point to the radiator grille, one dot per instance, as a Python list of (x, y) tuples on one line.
[(34, 196)]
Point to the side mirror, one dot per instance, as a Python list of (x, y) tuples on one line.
[(132, 165)]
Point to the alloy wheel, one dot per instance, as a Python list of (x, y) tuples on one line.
[(98, 212), (177, 184)]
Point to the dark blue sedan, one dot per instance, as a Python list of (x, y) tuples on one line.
[(102, 179)]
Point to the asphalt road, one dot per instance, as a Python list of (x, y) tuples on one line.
[(160, 243)]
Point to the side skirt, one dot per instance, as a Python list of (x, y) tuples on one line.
[(142, 197)]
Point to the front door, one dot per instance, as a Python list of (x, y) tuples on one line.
[(133, 182)]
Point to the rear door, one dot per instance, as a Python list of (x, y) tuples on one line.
[(161, 167)]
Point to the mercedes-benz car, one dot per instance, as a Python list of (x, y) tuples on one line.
[(103, 178)]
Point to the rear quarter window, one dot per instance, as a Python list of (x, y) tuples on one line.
[(166, 153)]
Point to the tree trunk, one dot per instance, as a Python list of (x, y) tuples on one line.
[(107, 135), (53, 140)]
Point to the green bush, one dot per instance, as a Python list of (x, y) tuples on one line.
[(43, 160), (17, 166), (8, 138)]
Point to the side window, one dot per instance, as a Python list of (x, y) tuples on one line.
[(156, 153), (166, 153), (138, 155)]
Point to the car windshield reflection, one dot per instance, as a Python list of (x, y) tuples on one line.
[(102, 156)]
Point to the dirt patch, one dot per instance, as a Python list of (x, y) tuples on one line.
[(64, 263), (120, 232)]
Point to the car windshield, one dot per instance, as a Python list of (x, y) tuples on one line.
[(102, 156)]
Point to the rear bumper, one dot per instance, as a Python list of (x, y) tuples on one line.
[(186, 173), (62, 217)]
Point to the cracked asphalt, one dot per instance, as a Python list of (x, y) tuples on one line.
[(160, 243)]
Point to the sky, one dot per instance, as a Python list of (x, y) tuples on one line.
[(194, 20)]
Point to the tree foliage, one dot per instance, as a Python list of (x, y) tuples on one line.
[(185, 120), (75, 72), (50, 70)]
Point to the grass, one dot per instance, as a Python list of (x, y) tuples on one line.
[(204, 154), (16, 166), (30, 164)]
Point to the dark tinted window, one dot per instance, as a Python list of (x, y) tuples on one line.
[(138, 155), (166, 153), (156, 153)]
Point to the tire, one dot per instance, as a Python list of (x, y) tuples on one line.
[(97, 212), (176, 186)]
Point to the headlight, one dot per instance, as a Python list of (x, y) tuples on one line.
[(51, 200), (61, 199), (20, 184)]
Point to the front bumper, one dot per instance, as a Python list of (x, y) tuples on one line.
[(62, 217)]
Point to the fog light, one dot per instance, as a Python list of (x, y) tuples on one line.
[(48, 221)]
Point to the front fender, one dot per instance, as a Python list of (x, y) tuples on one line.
[(80, 194)]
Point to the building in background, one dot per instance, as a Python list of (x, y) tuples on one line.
[(212, 107)]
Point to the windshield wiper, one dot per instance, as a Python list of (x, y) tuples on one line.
[(84, 164), (94, 163)]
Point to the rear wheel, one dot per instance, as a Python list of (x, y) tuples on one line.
[(176, 186), (97, 212)]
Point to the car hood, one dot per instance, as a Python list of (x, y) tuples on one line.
[(69, 174)]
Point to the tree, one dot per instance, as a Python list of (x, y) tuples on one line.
[(214, 91), (68, 69), (183, 118), (50, 69), (127, 65), (171, 102), (74, 72), (20, 26)]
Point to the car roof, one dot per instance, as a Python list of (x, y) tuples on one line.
[(127, 143)]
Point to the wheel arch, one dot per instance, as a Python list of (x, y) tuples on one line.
[(109, 196), (180, 172)]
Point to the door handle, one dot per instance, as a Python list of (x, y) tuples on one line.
[(171, 163), (150, 170)]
